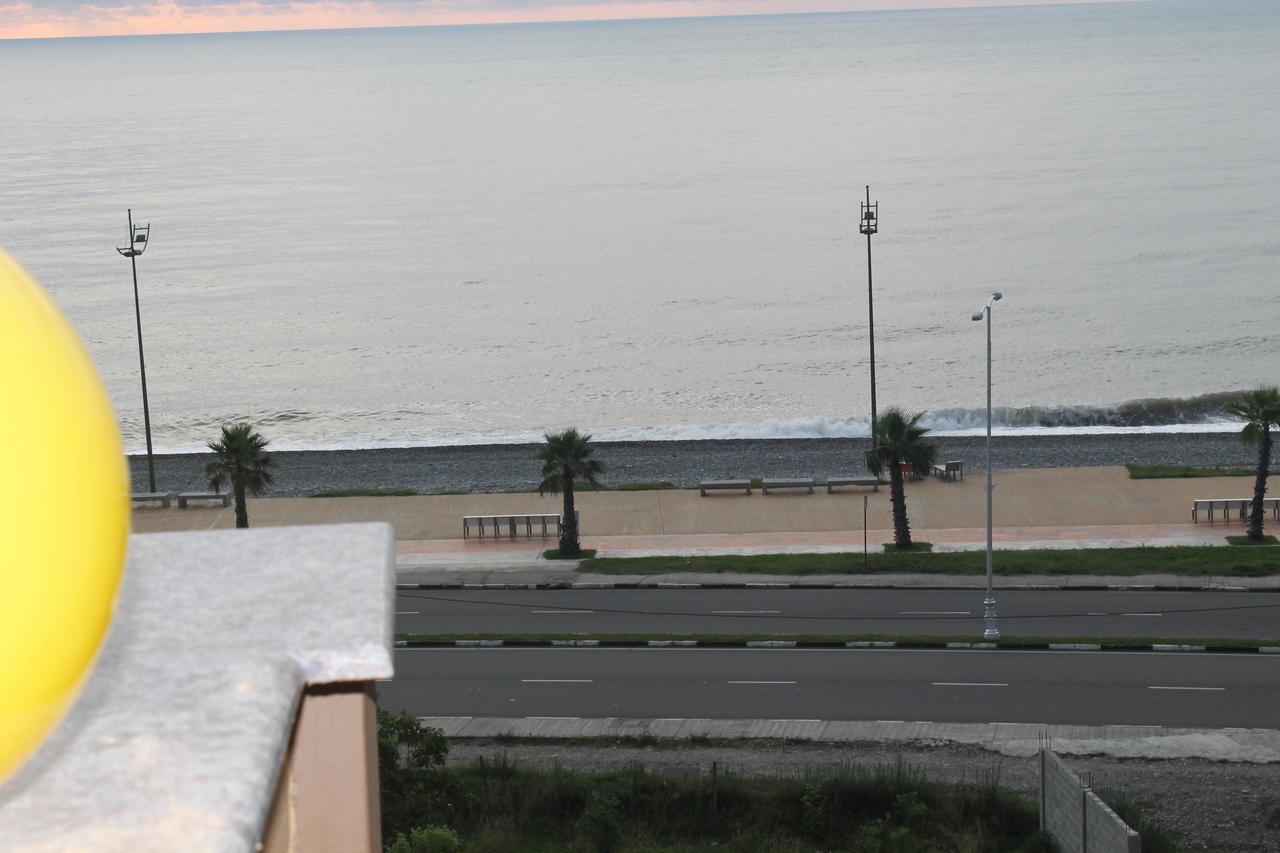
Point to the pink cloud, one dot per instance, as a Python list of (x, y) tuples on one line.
[(30, 20)]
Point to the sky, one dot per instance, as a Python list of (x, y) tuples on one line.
[(60, 18)]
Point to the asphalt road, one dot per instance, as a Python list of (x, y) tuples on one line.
[(1084, 688), (938, 612)]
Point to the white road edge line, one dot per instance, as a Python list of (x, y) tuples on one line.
[(742, 612), (562, 611), (556, 680), (1213, 689), (970, 684), (760, 682), (408, 613)]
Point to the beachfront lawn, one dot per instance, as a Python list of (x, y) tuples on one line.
[(1179, 472), (642, 486), (367, 493), (1195, 561), (1247, 542)]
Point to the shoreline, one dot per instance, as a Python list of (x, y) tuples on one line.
[(506, 467)]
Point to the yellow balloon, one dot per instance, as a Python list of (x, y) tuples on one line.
[(64, 514)]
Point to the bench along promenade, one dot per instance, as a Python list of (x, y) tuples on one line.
[(1045, 505)]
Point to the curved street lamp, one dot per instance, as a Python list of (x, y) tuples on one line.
[(869, 223), (139, 235), (990, 632)]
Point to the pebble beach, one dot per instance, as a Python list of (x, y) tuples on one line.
[(508, 467)]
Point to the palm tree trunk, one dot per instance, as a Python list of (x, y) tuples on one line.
[(898, 499), (242, 511), (569, 521), (1260, 483)]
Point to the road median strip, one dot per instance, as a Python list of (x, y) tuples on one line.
[(1054, 644)]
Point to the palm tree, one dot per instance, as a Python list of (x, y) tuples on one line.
[(242, 460), (1260, 410), (899, 440), (567, 457)]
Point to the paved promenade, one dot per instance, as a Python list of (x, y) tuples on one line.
[(1074, 507)]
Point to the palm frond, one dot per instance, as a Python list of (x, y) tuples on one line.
[(241, 459), (1259, 409)]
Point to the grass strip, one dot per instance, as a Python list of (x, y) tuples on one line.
[(1246, 541), (640, 486), (1012, 641), (367, 493), (916, 548), (1182, 472), (554, 554), (1185, 560), (644, 486)]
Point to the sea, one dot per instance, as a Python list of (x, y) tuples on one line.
[(441, 236)]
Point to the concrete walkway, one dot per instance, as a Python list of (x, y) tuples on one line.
[(1016, 739), (1055, 500), (1034, 508)]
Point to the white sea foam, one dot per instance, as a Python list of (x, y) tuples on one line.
[(807, 428)]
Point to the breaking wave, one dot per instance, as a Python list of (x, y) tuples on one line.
[(317, 431)]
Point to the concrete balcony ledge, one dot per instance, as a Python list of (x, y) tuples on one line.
[(235, 684)]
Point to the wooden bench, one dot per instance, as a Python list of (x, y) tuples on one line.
[(949, 470), (873, 482), (185, 498), (163, 498), (1227, 505), (730, 485), (511, 522), (787, 483)]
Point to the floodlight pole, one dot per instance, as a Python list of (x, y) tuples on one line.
[(132, 253), (868, 224), (990, 632)]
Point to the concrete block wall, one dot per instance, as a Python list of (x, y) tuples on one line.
[(1105, 832), (1075, 818), (1061, 804)]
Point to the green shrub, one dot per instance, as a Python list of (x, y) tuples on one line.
[(427, 839), (599, 825)]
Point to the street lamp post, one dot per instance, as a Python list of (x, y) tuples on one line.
[(139, 235), (990, 632), (869, 224)]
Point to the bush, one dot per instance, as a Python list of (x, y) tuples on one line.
[(427, 839), (599, 824)]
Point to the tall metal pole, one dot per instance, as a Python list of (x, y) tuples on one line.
[(990, 633), (868, 225), (869, 228), (142, 362)]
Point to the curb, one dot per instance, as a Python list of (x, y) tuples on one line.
[(668, 585), (941, 645)]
